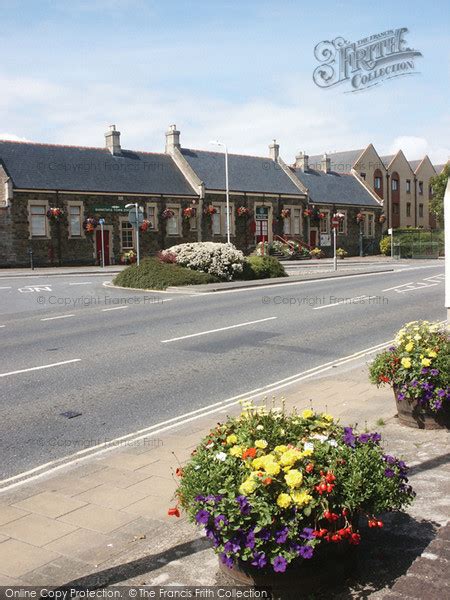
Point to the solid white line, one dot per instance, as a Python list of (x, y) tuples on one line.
[(82, 283), (2, 326), (397, 286), (114, 308), (87, 453), (8, 287), (58, 364), (58, 317), (346, 301), (183, 337)]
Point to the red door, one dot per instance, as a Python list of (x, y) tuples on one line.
[(99, 246), (313, 238), (262, 231)]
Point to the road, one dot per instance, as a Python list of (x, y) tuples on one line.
[(126, 361)]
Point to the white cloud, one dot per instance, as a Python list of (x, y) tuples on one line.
[(416, 147), (12, 137)]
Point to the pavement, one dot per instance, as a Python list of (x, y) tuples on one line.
[(102, 521)]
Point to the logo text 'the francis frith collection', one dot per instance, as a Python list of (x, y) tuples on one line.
[(364, 63)]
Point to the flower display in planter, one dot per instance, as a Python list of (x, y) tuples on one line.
[(308, 212), (222, 260), (417, 367), (285, 213), (145, 225), (210, 210), (322, 215), (341, 253), (359, 217), (271, 488), (188, 212), (90, 224), (242, 211), (167, 213), (54, 214), (127, 258), (316, 253)]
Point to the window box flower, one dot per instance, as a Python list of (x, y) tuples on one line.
[(308, 212), (417, 367), (273, 490), (359, 217)]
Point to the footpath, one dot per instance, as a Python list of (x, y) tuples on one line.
[(103, 522)]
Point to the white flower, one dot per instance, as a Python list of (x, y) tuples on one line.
[(333, 443), (221, 456), (259, 427), (321, 438), (223, 260), (308, 446), (197, 467)]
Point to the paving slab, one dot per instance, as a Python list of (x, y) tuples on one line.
[(36, 529), (18, 558), (49, 504)]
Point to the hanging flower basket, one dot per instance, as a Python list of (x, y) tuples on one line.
[(382, 218), (90, 224), (210, 210), (188, 212), (272, 490), (417, 369), (359, 218), (145, 225), (285, 213), (308, 212), (54, 214), (243, 211), (322, 215), (167, 214)]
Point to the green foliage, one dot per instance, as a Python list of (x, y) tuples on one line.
[(152, 274), (385, 245), (263, 267), (439, 183)]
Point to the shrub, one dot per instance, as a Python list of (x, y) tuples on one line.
[(222, 260), (153, 274), (417, 366), (263, 267), (385, 245), (269, 487)]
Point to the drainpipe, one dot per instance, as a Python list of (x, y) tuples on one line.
[(415, 201), (388, 202)]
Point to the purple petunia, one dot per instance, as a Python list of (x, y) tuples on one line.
[(220, 521), (279, 564), (389, 473), (307, 533), (227, 560), (441, 393), (250, 539), (232, 546), (259, 560), (199, 498), (306, 551), (349, 438), (400, 396), (434, 372), (281, 536), (389, 459), (264, 534), (424, 371), (244, 505), (202, 517)]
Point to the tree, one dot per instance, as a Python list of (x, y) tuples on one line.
[(439, 183)]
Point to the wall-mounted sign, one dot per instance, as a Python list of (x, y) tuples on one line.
[(325, 239), (115, 208), (261, 213)]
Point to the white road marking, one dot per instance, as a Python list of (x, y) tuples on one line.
[(114, 308), (217, 407), (34, 288), (397, 286), (82, 283), (8, 287), (58, 317), (2, 326), (58, 364), (183, 337), (346, 301)]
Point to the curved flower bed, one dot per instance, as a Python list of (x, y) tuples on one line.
[(270, 488), (221, 260)]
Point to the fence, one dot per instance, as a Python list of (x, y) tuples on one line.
[(418, 243)]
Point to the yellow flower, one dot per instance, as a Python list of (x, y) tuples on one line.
[(417, 337), (294, 478), (301, 498), (307, 413), (406, 363), (248, 487), (272, 468), (284, 500), (307, 452), (290, 457), (236, 451), (426, 362), (409, 347), (231, 439), (432, 354), (280, 449), (258, 463), (327, 417), (261, 444)]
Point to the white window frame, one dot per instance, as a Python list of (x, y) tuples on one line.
[(367, 216), (342, 227), (122, 221), (397, 182), (75, 204), (324, 222), (43, 204), (153, 220), (296, 209), (175, 219), (377, 180), (193, 221), (221, 208)]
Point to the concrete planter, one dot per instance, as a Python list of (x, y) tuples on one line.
[(412, 415)]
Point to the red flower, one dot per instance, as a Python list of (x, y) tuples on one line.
[(309, 468), (249, 453), (173, 512), (179, 472), (267, 481), (355, 539)]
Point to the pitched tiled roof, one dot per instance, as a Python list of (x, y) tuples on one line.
[(341, 162), (246, 173), (73, 168), (335, 188), (414, 164), (439, 168), (387, 159)]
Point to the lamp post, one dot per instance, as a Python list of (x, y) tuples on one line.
[(136, 206), (227, 190), (447, 248)]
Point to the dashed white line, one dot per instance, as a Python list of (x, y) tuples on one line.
[(183, 337), (58, 317), (356, 300), (8, 287), (57, 364), (114, 308), (397, 286)]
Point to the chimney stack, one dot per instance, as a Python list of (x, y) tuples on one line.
[(301, 161), (274, 151), (112, 138), (172, 139), (325, 164)]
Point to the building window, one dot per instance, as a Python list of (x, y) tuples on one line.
[(75, 220), (395, 210), (408, 186), (421, 187), (324, 226), (126, 235), (152, 215), (38, 220), (363, 176), (173, 224), (287, 225), (193, 219), (394, 185), (297, 215), (219, 219), (408, 209), (369, 224), (421, 211), (342, 227), (377, 183)]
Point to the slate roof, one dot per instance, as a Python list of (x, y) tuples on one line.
[(246, 173), (414, 164), (439, 168), (387, 159), (73, 168), (335, 188), (341, 162)]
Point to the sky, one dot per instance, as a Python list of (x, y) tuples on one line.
[(235, 70)]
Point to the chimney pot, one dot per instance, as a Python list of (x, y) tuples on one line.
[(302, 161), (325, 163), (274, 150), (172, 139), (112, 138)]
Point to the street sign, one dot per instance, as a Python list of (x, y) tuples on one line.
[(136, 219), (261, 213), (325, 239), (114, 208), (101, 221), (390, 231), (335, 221)]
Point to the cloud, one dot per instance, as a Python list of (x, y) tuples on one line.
[(13, 137), (416, 147)]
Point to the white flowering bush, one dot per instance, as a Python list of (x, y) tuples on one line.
[(222, 260)]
